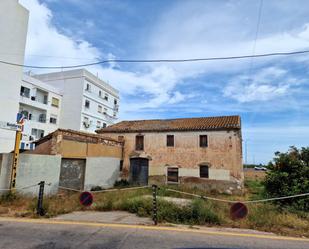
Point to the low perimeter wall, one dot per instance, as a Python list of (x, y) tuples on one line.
[(31, 170), (99, 171), (207, 185)]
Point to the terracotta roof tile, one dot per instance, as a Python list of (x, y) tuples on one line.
[(180, 124)]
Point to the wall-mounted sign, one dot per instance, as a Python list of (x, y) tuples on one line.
[(10, 126)]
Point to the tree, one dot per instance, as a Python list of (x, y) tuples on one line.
[(289, 175)]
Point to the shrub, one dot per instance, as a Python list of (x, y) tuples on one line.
[(8, 197), (289, 175), (96, 188), (122, 183), (197, 213), (203, 213)]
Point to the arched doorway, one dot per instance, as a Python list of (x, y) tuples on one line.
[(139, 168)]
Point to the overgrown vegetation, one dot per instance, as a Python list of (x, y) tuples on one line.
[(289, 175), (122, 183)]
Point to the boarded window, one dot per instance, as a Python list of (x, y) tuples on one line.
[(170, 140), (203, 141), (139, 142), (55, 102), (172, 174), (204, 171)]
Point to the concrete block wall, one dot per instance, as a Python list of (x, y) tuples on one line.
[(101, 171), (31, 170)]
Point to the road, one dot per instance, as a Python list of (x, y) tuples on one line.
[(47, 234)]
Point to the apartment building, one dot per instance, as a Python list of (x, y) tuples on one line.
[(88, 103), (40, 105), (13, 32)]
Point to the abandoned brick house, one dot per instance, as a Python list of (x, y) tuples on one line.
[(204, 152)]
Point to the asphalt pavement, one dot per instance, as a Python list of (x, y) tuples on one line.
[(51, 234)]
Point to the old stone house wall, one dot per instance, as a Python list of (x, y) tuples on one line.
[(223, 154)]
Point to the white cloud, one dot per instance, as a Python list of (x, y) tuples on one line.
[(46, 39), (227, 28), (267, 84), (204, 30), (176, 98)]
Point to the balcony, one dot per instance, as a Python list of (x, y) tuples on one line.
[(32, 102), (36, 98), (33, 117)]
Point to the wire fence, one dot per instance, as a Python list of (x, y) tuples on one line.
[(204, 197), (86, 199), (19, 188), (103, 190), (235, 201)]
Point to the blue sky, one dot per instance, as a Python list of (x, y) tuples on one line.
[(270, 94)]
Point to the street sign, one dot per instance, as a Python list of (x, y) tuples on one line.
[(10, 126), (238, 211), (86, 199)]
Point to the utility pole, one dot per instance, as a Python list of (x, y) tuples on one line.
[(246, 151), (18, 136)]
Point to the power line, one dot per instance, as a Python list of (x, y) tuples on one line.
[(256, 35), (159, 60)]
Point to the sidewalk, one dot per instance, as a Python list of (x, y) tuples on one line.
[(114, 217)]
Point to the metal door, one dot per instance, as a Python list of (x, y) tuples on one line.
[(72, 173), (139, 171)]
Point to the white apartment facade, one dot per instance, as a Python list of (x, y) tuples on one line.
[(88, 103), (75, 99), (40, 105), (13, 33)]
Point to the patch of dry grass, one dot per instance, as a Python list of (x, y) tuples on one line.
[(262, 216), (255, 175)]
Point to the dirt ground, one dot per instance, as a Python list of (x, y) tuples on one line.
[(251, 174)]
